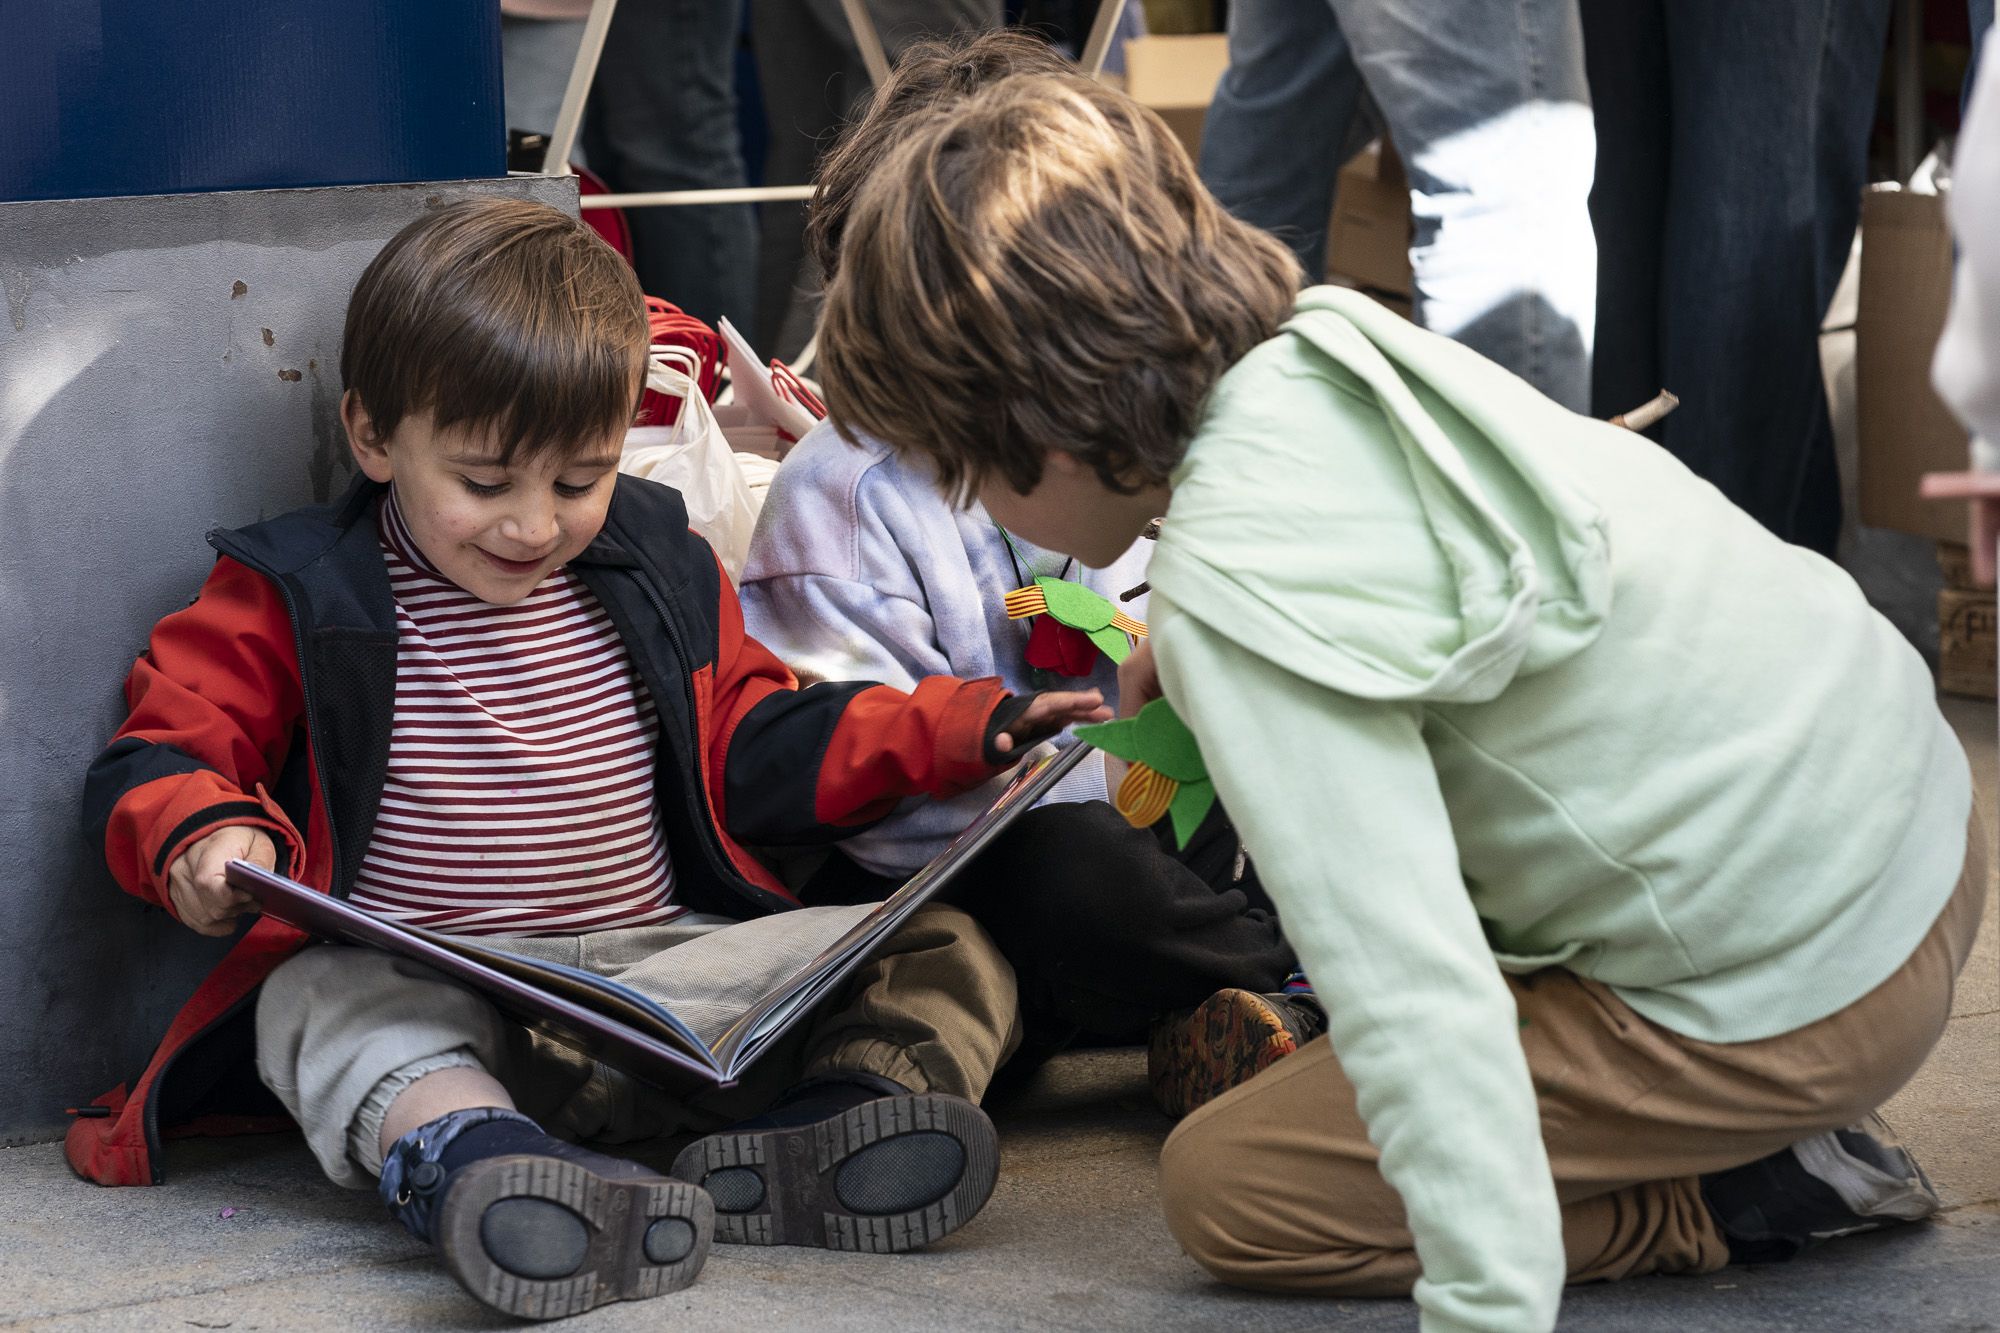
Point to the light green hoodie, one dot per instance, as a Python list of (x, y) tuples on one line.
[(1478, 679)]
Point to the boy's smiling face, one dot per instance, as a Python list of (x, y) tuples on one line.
[(496, 531)]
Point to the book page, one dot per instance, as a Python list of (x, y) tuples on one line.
[(764, 1022), (586, 988)]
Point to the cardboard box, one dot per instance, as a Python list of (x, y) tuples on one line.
[(1176, 76), (1955, 563), (1905, 430), (1180, 16), (1968, 642), (1368, 241)]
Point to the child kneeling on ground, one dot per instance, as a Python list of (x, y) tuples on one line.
[(499, 689), (1654, 873), (862, 568)]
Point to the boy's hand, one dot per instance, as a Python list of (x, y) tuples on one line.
[(1138, 680), (1048, 714), (202, 899)]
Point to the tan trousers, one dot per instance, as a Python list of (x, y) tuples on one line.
[(1274, 1185), (341, 1032)]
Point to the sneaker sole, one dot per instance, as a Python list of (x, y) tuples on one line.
[(620, 1248), (1227, 1039), (887, 1176)]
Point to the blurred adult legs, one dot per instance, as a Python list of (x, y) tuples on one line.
[(1732, 143), (1487, 104), (812, 77), (663, 117)]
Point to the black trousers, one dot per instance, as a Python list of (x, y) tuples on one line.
[(1108, 927), (1731, 152)]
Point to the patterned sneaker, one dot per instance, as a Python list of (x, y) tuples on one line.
[(1227, 1039), (1849, 1180)]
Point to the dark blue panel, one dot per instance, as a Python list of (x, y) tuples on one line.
[(103, 97)]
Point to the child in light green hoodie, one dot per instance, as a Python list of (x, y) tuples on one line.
[(1624, 843)]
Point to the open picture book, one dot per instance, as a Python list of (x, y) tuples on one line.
[(614, 1023)]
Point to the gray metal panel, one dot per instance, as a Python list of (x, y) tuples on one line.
[(167, 364)]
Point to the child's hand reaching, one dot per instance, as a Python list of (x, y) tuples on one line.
[(1045, 716), (202, 899)]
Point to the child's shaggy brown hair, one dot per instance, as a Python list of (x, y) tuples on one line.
[(1035, 269)]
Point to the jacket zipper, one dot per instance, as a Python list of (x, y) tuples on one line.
[(711, 842)]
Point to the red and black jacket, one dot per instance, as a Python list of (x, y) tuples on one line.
[(270, 700)]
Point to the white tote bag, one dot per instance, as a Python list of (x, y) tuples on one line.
[(693, 457)]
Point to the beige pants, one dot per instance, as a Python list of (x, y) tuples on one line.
[(342, 1031), (1274, 1185)]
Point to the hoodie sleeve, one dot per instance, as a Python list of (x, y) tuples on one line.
[(1338, 801)]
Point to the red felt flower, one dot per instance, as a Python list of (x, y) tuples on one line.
[(1054, 646)]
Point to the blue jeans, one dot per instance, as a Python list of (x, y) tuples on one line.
[(1488, 107), (1732, 149), (1979, 13)]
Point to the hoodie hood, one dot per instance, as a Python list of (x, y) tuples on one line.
[(1385, 512)]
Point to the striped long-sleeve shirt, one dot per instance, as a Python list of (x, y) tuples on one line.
[(519, 797)]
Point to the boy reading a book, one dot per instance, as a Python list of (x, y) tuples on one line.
[(862, 567), (499, 689), (1654, 872)]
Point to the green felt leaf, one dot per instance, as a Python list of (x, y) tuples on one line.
[(1189, 808), (1120, 738), (1166, 744), (1075, 605), (1112, 643)]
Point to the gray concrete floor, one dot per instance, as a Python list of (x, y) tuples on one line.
[(1072, 1239)]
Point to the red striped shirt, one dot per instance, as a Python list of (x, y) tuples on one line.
[(519, 797)]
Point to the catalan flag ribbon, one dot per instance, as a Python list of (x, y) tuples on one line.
[(1083, 613), (1166, 776)]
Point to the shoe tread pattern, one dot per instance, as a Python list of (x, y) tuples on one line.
[(617, 1212), (800, 1165)]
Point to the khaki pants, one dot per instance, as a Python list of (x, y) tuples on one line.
[(342, 1031), (1274, 1185)]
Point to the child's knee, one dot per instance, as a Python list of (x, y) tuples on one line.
[(1215, 1189), (284, 1007), (1202, 1198)]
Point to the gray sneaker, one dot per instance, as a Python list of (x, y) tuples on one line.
[(1860, 1178)]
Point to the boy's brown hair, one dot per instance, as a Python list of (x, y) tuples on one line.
[(502, 314), (928, 76), (1039, 269)]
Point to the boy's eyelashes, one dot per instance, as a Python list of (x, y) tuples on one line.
[(568, 490)]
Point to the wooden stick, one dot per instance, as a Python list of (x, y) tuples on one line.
[(1644, 415)]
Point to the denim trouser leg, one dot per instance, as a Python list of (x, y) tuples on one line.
[(1270, 145), (1488, 107), (1718, 280), (1979, 13), (663, 117)]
